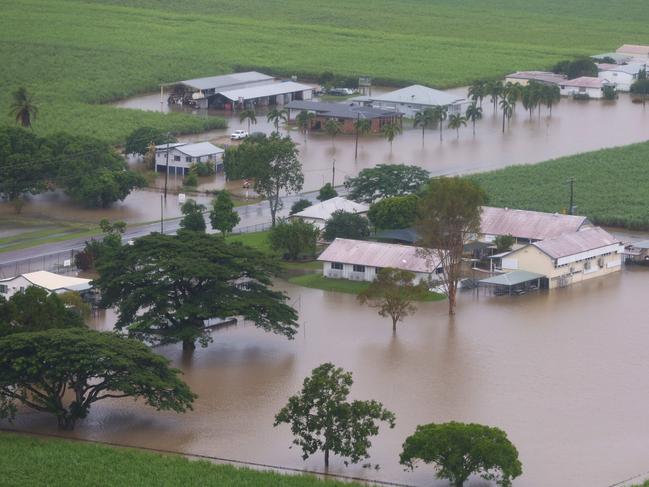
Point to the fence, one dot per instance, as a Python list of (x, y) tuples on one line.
[(60, 263), (259, 227)]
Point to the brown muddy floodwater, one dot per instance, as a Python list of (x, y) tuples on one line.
[(565, 374)]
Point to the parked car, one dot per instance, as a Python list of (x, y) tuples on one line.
[(341, 91), (238, 135)]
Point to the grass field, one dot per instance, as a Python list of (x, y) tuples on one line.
[(26, 460), (75, 54), (611, 186)]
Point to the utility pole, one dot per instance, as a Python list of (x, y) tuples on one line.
[(167, 168), (333, 173), (358, 118), (571, 208), (162, 228)]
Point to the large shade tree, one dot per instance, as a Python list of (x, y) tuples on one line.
[(165, 288), (384, 180), (343, 224), (223, 217), (64, 372)]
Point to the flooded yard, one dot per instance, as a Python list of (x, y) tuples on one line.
[(565, 374)]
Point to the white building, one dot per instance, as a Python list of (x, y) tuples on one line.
[(413, 99), (319, 213), (54, 283), (360, 260), (621, 76), (635, 51), (543, 77), (585, 86), (183, 155)]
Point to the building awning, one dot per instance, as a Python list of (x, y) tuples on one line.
[(510, 279)]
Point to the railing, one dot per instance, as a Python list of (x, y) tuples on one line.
[(259, 227), (60, 263)]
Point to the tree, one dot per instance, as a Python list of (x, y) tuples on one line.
[(384, 180), (333, 127), (193, 220), (390, 131), (455, 121), (23, 108), (139, 140), (322, 419), (550, 95), (392, 292), (508, 110), (449, 214), (577, 68), (362, 126), (459, 450), (35, 309), (342, 224), (473, 113), (640, 90), (42, 370), (495, 91), (112, 240), (304, 120), (394, 212), (248, 115), (165, 287), (478, 90), (327, 192), (424, 118), (275, 116), (504, 243), (300, 205), (440, 112), (277, 170), (294, 238), (222, 215)]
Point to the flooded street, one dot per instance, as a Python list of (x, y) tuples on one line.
[(565, 374)]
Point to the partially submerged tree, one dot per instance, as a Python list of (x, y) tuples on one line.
[(456, 121), (322, 419), (276, 115), (473, 114), (293, 239), (440, 113), (459, 450), (304, 120), (112, 240), (393, 293), (23, 108), (222, 215), (193, 219), (141, 138), (386, 180), (424, 119), (166, 287), (327, 192), (449, 216), (390, 132), (343, 224), (333, 128), (248, 115), (43, 370), (362, 126)]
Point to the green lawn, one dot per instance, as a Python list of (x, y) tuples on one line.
[(256, 240), (30, 461), (75, 55), (38, 232), (611, 186)]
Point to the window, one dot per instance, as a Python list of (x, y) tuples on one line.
[(177, 158), (337, 266), (587, 265), (359, 268), (4, 289), (188, 159)]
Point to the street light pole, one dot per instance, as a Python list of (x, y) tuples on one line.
[(571, 209), (333, 173), (167, 168)]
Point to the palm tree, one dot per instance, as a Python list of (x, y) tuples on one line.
[(304, 120), (362, 126), (455, 121), (478, 90), (424, 119), (495, 90), (473, 113), (440, 112), (333, 127), (390, 131), (276, 116), (249, 115), (550, 95), (508, 110), (23, 107), (513, 92)]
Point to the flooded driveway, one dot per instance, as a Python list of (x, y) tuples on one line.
[(565, 374)]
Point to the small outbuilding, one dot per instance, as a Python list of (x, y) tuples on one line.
[(636, 51), (621, 76), (543, 77), (360, 260), (54, 283), (182, 156), (319, 213), (413, 99), (583, 87), (637, 252)]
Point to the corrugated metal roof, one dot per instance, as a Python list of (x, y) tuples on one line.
[(340, 110), (541, 76), (512, 278), (584, 82), (54, 282), (324, 209), (226, 81), (200, 149), (419, 95), (576, 242), (533, 225), (376, 254), (266, 89), (633, 49), (632, 68)]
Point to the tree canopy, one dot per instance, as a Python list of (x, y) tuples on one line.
[(300, 205), (43, 370), (193, 219), (343, 224), (459, 450), (165, 287), (322, 419), (222, 215), (576, 68), (386, 180), (141, 138), (293, 238), (394, 212), (327, 192)]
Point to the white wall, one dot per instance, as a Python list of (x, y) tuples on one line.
[(369, 275), (13, 286), (622, 81)]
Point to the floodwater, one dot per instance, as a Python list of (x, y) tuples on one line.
[(565, 374)]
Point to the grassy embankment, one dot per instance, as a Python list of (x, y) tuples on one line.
[(26, 460), (611, 186), (76, 54)]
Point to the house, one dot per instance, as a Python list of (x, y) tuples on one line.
[(634, 50), (620, 76), (360, 260), (319, 213), (583, 87), (413, 99), (54, 283), (637, 252), (234, 90), (543, 77), (183, 155), (347, 114), (568, 258)]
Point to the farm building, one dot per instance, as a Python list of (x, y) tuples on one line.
[(54, 283), (617, 57), (637, 252), (568, 258), (183, 155), (319, 213), (634, 50), (585, 86), (236, 90), (360, 260), (620, 76), (346, 113), (543, 77), (413, 99)]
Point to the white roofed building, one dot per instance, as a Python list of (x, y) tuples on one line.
[(319, 213), (183, 155), (585, 86), (54, 283), (622, 76), (635, 51), (413, 99), (543, 77), (360, 260)]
